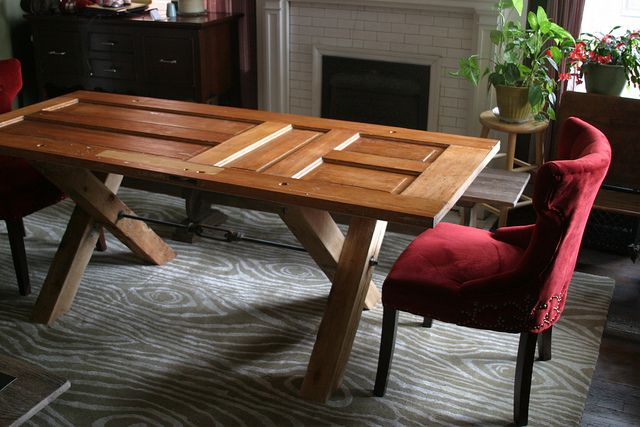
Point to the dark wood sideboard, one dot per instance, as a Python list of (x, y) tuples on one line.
[(191, 58), (615, 220)]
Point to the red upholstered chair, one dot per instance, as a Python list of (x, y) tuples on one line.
[(513, 280), (23, 190)]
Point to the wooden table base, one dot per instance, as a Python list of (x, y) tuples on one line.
[(344, 308), (96, 204)]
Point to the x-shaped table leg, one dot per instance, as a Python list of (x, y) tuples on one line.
[(351, 278), (96, 204)]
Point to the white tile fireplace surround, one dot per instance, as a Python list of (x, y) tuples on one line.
[(294, 35)]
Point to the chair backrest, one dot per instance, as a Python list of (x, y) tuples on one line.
[(563, 196), (10, 82)]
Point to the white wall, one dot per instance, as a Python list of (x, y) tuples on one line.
[(5, 35)]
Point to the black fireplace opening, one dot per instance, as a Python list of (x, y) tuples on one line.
[(379, 92)]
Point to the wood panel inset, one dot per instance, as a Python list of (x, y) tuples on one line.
[(304, 161), (371, 161), (396, 149), (360, 177)]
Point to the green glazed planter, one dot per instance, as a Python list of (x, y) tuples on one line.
[(513, 104), (605, 79)]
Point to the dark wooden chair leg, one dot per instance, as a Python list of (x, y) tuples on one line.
[(544, 345), (387, 345), (427, 322), (101, 244), (522, 384), (15, 229)]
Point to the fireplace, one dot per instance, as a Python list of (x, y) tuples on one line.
[(294, 35), (380, 92)]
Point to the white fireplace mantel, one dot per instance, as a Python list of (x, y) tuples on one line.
[(273, 44)]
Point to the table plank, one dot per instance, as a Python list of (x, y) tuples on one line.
[(241, 144)]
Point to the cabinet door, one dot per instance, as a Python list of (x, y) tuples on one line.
[(170, 59), (59, 65), (59, 53)]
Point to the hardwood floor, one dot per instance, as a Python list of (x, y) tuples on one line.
[(614, 395)]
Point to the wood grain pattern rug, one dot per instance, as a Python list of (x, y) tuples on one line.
[(222, 335)]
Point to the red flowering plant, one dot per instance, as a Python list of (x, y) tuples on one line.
[(607, 49)]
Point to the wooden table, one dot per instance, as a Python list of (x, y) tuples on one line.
[(32, 389), (308, 166)]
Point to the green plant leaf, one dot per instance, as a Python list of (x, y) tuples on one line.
[(563, 36), (518, 5), (512, 74), (541, 15), (496, 36), (524, 70), (496, 79), (553, 63), (536, 97), (545, 27), (469, 69), (556, 56), (533, 21), (551, 113)]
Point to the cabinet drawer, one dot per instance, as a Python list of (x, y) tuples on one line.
[(169, 60), (118, 69), (60, 53), (109, 42)]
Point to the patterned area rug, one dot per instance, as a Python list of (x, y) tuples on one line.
[(222, 335)]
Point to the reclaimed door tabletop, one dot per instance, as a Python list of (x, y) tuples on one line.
[(84, 142)]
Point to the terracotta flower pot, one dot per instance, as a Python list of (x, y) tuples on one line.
[(513, 104), (605, 79)]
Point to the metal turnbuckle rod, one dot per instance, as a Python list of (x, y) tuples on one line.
[(198, 229)]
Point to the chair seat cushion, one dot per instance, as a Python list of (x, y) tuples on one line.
[(435, 275), (23, 190)]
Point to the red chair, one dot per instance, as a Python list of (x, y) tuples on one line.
[(23, 190), (514, 280)]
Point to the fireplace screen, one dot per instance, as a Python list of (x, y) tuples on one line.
[(380, 92)]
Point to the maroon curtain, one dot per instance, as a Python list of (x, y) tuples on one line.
[(567, 14), (247, 41)]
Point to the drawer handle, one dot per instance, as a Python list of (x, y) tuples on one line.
[(168, 61), (110, 70), (57, 53), (108, 43)]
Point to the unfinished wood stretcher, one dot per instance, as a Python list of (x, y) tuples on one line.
[(308, 166)]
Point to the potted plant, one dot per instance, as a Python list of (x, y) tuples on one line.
[(606, 61), (521, 69)]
